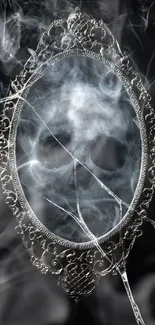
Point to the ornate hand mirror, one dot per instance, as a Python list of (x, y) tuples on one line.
[(77, 153)]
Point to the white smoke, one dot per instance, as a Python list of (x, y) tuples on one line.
[(86, 108), (21, 30)]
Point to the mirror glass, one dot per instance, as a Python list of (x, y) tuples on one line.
[(78, 148)]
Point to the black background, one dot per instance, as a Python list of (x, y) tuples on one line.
[(26, 296)]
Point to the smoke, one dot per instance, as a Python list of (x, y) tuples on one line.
[(113, 306), (26, 296), (87, 109), (21, 27)]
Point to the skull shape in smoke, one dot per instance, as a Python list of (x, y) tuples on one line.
[(84, 116)]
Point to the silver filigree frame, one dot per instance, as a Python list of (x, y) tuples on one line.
[(12, 156), (78, 35)]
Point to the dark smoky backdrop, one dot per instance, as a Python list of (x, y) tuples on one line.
[(26, 296)]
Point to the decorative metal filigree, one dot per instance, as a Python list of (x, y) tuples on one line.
[(78, 266)]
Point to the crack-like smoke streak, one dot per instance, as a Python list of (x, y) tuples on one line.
[(11, 54), (74, 118), (76, 160), (84, 227)]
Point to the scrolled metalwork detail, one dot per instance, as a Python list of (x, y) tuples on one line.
[(79, 271)]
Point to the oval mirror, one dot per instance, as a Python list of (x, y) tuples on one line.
[(83, 115), (77, 152)]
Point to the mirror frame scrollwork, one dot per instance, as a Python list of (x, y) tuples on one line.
[(78, 266)]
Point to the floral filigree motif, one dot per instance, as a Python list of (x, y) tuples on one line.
[(78, 270)]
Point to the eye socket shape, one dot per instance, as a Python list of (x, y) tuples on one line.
[(50, 151), (63, 138), (108, 153)]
